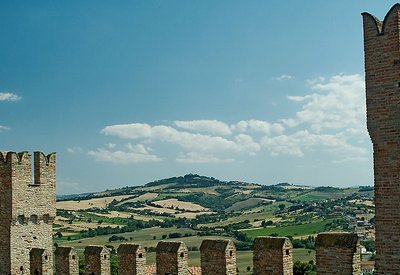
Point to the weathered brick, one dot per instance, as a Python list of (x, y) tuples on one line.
[(382, 79)]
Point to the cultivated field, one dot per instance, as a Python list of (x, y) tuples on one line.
[(91, 203)]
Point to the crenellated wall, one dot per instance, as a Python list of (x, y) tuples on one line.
[(382, 80), (27, 208), (27, 212)]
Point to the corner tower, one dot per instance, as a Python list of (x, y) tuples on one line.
[(382, 77), (27, 209)]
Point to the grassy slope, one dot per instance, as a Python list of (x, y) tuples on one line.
[(294, 230)]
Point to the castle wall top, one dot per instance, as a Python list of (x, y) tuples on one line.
[(379, 26), (271, 243), (337, 239), (170, 246), (216, 245)]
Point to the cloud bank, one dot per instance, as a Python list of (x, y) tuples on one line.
[(330, 119)]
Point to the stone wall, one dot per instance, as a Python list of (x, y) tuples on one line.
[(67, 261), (272, 255), (28, 208), (171, 258), (97, 260), (218, 257), (382, 79), (131, 259), (40, 262), (338, 253)]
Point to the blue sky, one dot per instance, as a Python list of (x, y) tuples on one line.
[(132, 91)]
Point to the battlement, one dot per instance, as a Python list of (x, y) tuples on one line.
[(337, 253), (382, 81), (19, 165), (380, 27)]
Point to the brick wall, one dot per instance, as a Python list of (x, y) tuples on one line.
[(338, 253), (272, 255), (218, 257), (382, 77)]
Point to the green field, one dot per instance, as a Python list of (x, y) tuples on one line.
[(293, 230)]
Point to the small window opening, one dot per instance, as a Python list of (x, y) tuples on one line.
[(73, 257), (34, 219), (105, 256), (182, 254), (140, 255), (230, 253), (287, 252), (46, 218), (45, 257), (21, 268), (21, 219)]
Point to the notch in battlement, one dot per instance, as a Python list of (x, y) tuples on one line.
[(19, 167), (374, 26)]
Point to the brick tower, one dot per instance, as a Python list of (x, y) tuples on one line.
[(382, 77), (27, 210)]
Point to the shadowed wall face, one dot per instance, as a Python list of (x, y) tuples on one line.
[(218, 257), (272, 255), (97, 260), (338, 253), (382, 78), (67, 262), (131, 259), (171, 258)]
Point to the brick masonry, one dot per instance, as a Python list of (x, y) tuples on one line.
[(97, 260), (218, 257), (338, 253), (382, 78), (27, 209), (171, 258), (131, 259), (272, 256), (67, 261)]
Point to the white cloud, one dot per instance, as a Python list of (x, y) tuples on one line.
[(6, 96), (196, 157), (330, 118), (258, 126), (3, 128), (298, 143), (205, 126), (282, 77), (75, 149), (337, 103), (189, 141), (135, 154)]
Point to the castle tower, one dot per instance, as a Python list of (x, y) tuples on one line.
[(337, 253), (97, 260), (27, 209), (382, 78), (171, 258), (67, 262), (218, 257), (131, 259), (272, 256)]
